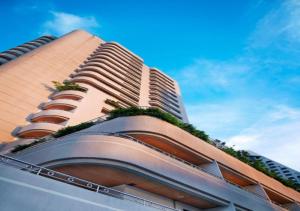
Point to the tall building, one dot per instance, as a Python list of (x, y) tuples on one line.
[(106, 70), (136, 162), (280, 169)]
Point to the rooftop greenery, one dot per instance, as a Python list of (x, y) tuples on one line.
[(24, 146), (67, 85), (113, 103), (72, 129), (155, 112)]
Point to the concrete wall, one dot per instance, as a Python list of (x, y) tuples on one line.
[(106, 69)]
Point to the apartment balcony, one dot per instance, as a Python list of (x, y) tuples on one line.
[(51, 116), (107, 89), (38, 130), (68, 94), (61, 104), (110, 81), (116, 56)]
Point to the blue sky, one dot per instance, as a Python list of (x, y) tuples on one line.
[(237, 62)]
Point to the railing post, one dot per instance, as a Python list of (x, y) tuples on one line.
[(39, 171)]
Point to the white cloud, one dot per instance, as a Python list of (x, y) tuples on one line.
[(62, 23), (282, 23), (217, 74), (275, 135), (218, 119)]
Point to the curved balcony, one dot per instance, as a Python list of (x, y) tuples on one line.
[(68, 94), (137, 58), (114, 67), (158, 73), (122, 161), (19, 48), (130, 59), (158, 80), (15, 52), (38, 130), (164, 96), (7, 56), (165, 102), (116, 56), (186, 146), (111, 69), (154, 83), (163, 90), (110, 81), (51, 116), (3, 60), (28, 46), (34, 43), (42, 42), (110, 74), (61, 104), (126, 67), (107, 89)]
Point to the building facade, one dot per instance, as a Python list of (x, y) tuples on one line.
[(109, 73), (126, 163)]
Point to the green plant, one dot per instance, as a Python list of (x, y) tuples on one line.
[(155, 112), (113, 103), (260, 166), (72, 129), (24, 146), (67, 85)]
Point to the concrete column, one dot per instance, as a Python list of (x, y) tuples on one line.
[(258, 190), (212, 168)]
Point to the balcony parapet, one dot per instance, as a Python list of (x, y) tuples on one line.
[(38, 130), (68, 94), (51, 116)]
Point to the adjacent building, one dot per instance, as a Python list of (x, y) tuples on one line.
[(280, 169), (126, 163)]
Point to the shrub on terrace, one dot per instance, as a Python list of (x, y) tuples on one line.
[(67, 85), (154, 112), (113, 103), (25, 146), (72, 129)]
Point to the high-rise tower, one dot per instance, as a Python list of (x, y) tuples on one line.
[(107, 71)]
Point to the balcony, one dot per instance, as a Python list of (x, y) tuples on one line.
[(51, 116), (38, 130), (61, 104), (68, 94)]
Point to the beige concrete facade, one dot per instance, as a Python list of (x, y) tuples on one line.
[(107, 71), (26, 81)]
